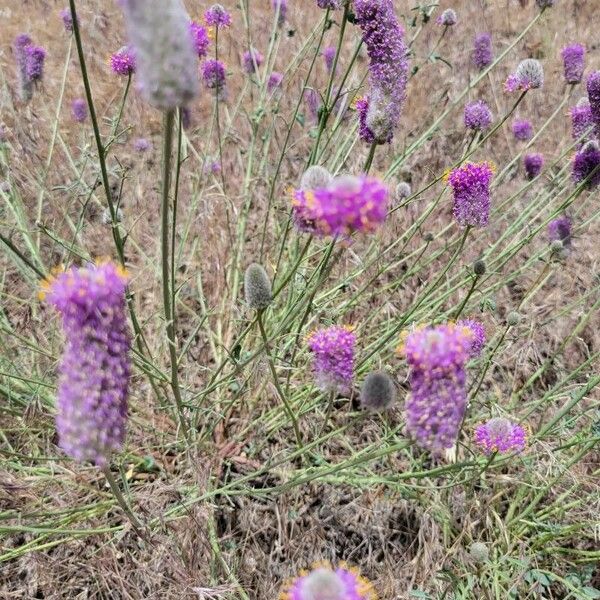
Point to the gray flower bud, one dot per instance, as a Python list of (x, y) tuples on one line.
[(378, 391), (257, 287)]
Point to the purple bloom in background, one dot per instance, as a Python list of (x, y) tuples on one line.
[(252, 59), (329, 57), (347, 204), (280, 7), (477, 115), (122, 62), (477, 332), (79, 110), (448, 18), (142, 145), (274, 81), (586, 163), (313, 103), (483, 55), (165, 52), (533, 163), (95, 366), (573, 61), (522, 129), (217, 16), (34, 63), (213, 74), (593, 90), (333, 357), (327, 583), (581, 120), (500, 435), (201, 40), (67, 19), (21, 44), (388, 69), (471, 186), (332, 4), (186, 117), (528, 76), (560, 229), (436, 406)]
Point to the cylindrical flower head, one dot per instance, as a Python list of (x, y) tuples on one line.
[(560, 229), (331, 4), (586, 164), (315, 177), (436, 406), (159, 31), (593, 90), (448, 18), (388, 69), (528, 76), (573, 61), (280, 8), (67, 19), (95, 366), (274, 81), (471, 187), (34, 63), (477, 333), (403, 191), (581, 120), (257, 287), (327, 583), (333, 357), (201, 39), (378, 391), (478, 115), (533, 163), (142, 145), (483, 55), (217, 16), (500, 435), (329, 56), (122, 62), (213, 75), (79, 110), (252, 60), (21, 43), (346, 205), (522, 129)]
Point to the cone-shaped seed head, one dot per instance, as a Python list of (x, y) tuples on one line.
[(378, 391), (257, 287)]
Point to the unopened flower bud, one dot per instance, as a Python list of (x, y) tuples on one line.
[(378, 391), (257, 287), (479, 267), (513, 318)]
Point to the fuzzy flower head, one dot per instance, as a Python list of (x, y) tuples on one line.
[(403, 191), (448, 18), (22, 42), (330, 4), (593, 90), (166, 55), (213, 75), (95, 366), (477, 116), (142, 145), (217, 16), (586, 164), (333, 357), (522, 129), (560, 230), (274, 81), (315, 177), (326, 583), (79, 110), (581, 120), (435, 408), (483, 55), (67, 19), (500, 435), (383, 36), (346, 205), (573, 61), (122, 62), (280, 8), (528, 76), (471, 187), (201, 39), (252, 59), (533, 163), (545, 3), (34, 63), (329, 56), (477, 333)]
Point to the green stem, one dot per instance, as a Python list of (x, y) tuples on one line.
[(469, 294), (370, 158)]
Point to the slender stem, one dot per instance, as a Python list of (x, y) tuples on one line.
[(282, 396), (169, 310), (488, 362), (464, 302), (217, 115), (16, 251), (327, 414), (370, 158)]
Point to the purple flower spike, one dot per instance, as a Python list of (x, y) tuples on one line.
[(448, 18), (34, 63), (436, 406), (252, 60), (581, 120), (477, 333), (573, 60), (478, 115), (560, 229), (213, 74), (500, 435), (95, 366), (329, 57), (593, 90), (346, 205), (331, 4), (280, 8), (471, 186), (67, 19), (483, 55), (586, 164), (79, 110), (388, 69), (201, 39), (217, 16), (333, 357), (123, 61), (274, 81), (533, 163), (522, 129)]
